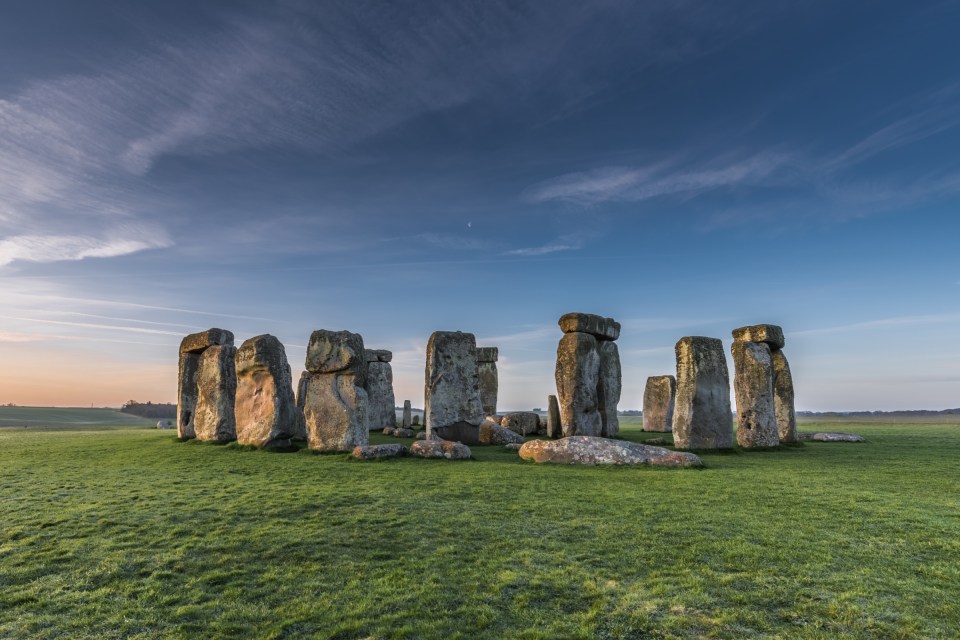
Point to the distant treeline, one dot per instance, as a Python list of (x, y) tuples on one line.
[(150, 410), (866, 414)]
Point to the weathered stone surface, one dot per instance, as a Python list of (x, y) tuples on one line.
[(333, 351), (265, 409), (404, 433), (335, 411), (440, 449), (597, 326), (491, 433), (388, 431), (216, 394), (783, 400), (452, 384), (658, 398), (459, 432), (769, 334), (187, 393), (495, 418), (701, 416), (753, 387), (513, 446), (608, 388), (524, 423), (165, 424), (593, 450), (488, 354), (300, 432), (660, 442), (379, 451), (489, 386), (379, 387), (831, 437), (407, 413), (197, 342), (421, 435), (377, 355), (553, 418), (577, 377)]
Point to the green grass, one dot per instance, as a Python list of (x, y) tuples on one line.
[(74, 417), (130, 534)]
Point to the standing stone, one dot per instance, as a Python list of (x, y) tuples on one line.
[(406, 415), (452, 384), (382, 411), (487, 371), (701, 417), (524, 423), (769, 334), (336, 405), (783, 401), (416, 420), (753, 386), (577, 377), (190, 349), (553, 418), (658, 399), (265, 408), (301, 431), (608, 389), (216, 394)]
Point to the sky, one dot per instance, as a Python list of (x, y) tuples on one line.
[(395, 169)]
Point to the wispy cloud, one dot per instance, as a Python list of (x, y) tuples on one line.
[(564, 243), (884, 323), (91, 325), (55, 248)]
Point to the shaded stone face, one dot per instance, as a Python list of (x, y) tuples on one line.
[(489, 386), (187, 394), (608, 388), (452, 381), (769, 334), (658, 399), (216, 394), (753, 386), (783, 401), (597, 326), (588, 450), (553, 418), (492, 433), (197, 342), (577, 377), (301, 430), (524, 423), (440, 449), (407, 413), (265, 408), (379, 387), (335, 412), (701, 416), (332, 351), (487, 354), (378, 355)]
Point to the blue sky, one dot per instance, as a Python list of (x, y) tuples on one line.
[(395, 169)]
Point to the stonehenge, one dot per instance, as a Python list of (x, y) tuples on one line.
[(265, 409), (336, 406), (553, 418), (778, 383), (218, 390), (216, 394), (658, 400), (701, 415), (452, 408), (588, 375), (487, 371), (379, 388), (406, 422), (753, 387)]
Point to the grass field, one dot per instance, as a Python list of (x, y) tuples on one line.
[(72, 417), (127, 533)]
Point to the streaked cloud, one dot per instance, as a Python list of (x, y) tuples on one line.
[(55, 248)]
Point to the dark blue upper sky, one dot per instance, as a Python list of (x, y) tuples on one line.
[(399, 168)]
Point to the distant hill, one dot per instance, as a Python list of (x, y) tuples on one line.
[(159, 411), (60, 417)]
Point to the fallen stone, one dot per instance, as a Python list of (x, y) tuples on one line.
[(406, 421), (491, 433), (388, 431), (597, 326), (404, 433), (783, 399), (553, 418), (577, 376), (440, 449), (831, 437), (421, 435), (459, 432), (452, 385), (658, 400), (753, 387), (524, 423), (593, 450), (769, 334), (265, 409), (701, 416), (496, 418), (608, 388), (379, 451), (513, 446), (216, 395)]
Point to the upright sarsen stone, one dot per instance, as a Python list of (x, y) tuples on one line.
[(553, 418), (265, 408), (658, 399), (379, 387), (489, 384), (608, 388), (783, 400), (753, 386), (577, 377), (216, 393), (407, 415), (452, 384), (701, 417), (301, 430), (336, 405), (191, 347)]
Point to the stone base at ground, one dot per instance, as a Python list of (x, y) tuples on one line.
[(491, 433), (524, 423), (378, 451), (440, 449), (593, 450), (459, 432), (831, 437)]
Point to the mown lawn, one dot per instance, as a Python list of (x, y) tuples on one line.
[(131, 534)]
